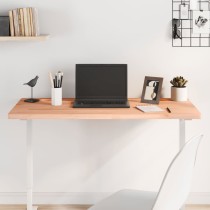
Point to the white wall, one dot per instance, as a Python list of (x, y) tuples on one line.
[(99, 156)]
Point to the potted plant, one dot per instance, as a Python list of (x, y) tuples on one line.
[(179, 90)]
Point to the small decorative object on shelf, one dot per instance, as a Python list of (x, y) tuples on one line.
[(4, 26), (179, 90), (32, 84)]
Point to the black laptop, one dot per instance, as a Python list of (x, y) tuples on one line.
[(101, 86)]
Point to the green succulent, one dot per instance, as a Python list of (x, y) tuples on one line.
[(179, 82)]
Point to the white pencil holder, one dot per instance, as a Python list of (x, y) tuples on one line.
[(56, 96)]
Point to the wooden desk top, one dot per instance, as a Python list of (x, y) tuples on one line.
[(44, 110)]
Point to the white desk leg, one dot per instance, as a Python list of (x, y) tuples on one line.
[(182, 133), (182, 136), (29, 164)]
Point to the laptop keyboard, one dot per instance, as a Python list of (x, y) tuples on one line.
[(101, 102)]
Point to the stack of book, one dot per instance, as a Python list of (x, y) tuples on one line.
[(24, 22)]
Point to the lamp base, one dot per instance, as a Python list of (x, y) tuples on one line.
[(31, 100)]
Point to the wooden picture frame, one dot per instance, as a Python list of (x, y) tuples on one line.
[(152, 90)]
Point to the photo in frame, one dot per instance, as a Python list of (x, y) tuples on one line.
[(152, 90), (201, 22)]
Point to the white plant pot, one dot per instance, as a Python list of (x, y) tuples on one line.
[(56, 96), (179, 94)]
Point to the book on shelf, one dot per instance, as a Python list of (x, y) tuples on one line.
[(15, 20), (29, 21), (21, 22), (35, 22), (24, 22), (12, 30)]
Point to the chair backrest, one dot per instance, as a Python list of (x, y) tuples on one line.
[(176, 183)]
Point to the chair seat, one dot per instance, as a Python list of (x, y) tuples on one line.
[(173, 190), (127, 200)]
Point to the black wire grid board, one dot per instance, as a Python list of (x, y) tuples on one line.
[(186, 26)]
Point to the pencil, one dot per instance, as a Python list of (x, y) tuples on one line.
[(51, 79)]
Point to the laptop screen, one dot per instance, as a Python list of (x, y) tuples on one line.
[(101, 81)]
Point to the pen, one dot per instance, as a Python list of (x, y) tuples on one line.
[(168, 110), (56, 81), (51, 79), (61, 78)]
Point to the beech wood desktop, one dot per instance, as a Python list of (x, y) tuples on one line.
[(181, 111)]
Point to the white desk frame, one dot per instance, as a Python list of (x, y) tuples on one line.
[(29, 135), (29, 165)]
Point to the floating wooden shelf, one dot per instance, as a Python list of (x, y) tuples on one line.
[(24, 38)]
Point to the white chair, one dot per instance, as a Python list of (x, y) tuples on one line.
[(173, 191)]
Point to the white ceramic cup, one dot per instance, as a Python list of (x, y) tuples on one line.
[(56, 96)]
